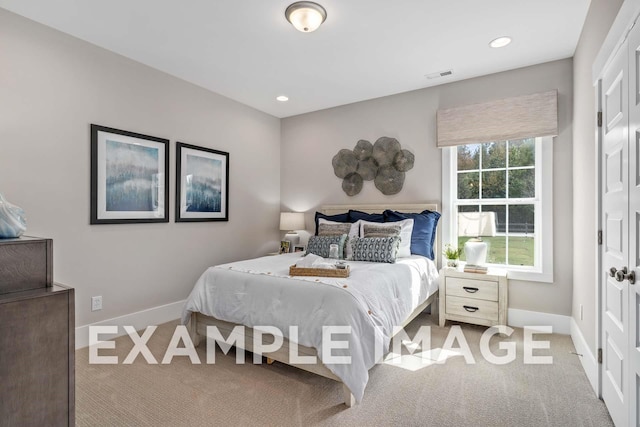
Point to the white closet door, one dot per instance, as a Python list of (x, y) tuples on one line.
[(615, 250), (634, 224)]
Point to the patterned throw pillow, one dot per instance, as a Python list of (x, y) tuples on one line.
[(325, 229), (386, 230), (376, 249), (354, 231), (319, 245)]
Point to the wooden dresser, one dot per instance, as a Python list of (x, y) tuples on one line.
[(481, 299), (37, 337)]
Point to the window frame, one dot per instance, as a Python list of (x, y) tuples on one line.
[(543, 202)]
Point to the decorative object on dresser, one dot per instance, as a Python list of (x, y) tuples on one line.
[(475, 251), (474, 268), (473, 298), (129, 177), (384, 162), (37, 337), (285, 247), (290, 222), (12, 220), (202, 184), (452, 255)]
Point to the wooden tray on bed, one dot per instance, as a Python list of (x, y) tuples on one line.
[(321, 272)]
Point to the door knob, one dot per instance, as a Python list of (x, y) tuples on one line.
[(623, 274)]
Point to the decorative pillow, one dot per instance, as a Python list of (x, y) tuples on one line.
[(424, 230), (358, 215), (382, 230), (343, 217), (354, 231), (405, 234), (319, 245), (326, 228), (376, 249)]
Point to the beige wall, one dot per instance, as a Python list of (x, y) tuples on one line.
[(310, 141), (52, 86), (599, 19)]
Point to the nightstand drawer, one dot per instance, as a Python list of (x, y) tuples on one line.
[(480, 309), (476, 289)]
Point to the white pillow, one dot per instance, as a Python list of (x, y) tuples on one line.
[(353, 232), (405, 233)]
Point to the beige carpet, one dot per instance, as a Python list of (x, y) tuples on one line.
[(450, 394)]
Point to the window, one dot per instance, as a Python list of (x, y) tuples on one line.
[(501, 192)]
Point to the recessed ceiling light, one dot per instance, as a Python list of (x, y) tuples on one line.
[(282, 98), (500, 42)]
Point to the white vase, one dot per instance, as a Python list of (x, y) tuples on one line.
[(475, 251)]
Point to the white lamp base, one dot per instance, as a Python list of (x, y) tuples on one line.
[(475, 252)]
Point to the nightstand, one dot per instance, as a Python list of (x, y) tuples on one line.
[(475, 298)]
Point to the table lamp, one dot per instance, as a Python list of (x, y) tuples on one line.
[(291, 221)]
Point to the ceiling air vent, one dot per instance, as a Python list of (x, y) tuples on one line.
[(440, 74)]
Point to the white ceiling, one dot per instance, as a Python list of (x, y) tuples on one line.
[(247, 51)]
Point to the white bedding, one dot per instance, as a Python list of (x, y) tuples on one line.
[(377, 297)]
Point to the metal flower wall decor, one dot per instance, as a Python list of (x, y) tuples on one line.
[(384, 163)]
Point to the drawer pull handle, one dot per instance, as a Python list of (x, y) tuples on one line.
[(470, 290), (470, 309)]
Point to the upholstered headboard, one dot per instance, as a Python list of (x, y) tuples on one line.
[(379, 208)]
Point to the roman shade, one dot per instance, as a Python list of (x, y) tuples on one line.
[(511, 118)]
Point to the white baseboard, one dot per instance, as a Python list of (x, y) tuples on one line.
[(139, 320), (588, 360), (520, 318)]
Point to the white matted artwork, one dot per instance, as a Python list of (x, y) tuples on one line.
[(202, 184), (129, 177)]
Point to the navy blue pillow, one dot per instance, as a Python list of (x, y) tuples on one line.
[(358, 215), (343, 217), (423, 236)]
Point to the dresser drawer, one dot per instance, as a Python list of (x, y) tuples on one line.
[(477, 308), (476, 289)]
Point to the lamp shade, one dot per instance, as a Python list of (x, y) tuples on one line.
[(292, 221)]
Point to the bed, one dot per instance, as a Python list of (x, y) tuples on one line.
[(373, 299)]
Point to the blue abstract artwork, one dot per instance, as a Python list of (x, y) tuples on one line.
[(203, 184), (131, 177)]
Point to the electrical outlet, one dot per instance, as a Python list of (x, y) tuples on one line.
[(96, 303), (581, 313)]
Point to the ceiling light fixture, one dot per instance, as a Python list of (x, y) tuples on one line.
[(305, 16), (500, 42), (282, 98)]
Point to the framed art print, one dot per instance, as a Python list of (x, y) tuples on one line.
[(129, 177), (202, 184), (285, 246)]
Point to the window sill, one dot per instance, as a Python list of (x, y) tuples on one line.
[(514, 273), (529, 275)]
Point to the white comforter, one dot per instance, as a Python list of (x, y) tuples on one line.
[(375, 298)]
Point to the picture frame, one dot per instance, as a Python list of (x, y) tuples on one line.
[(285, 246), (129, 177), (202, 184), (299, 248)]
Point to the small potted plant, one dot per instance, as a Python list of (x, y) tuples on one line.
[(452, 255)]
